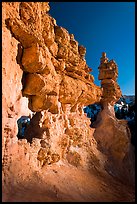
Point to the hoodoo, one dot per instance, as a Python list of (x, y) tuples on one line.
[(48, 146)]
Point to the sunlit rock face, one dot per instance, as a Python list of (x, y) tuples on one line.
[(13, 104), (45, 75), (108, 73), (49, 72), (53, 61)]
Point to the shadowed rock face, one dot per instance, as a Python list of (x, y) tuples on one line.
[(112, 135), (44, 71), (114, 140)]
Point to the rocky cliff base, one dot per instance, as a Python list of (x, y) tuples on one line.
[(63, 182)]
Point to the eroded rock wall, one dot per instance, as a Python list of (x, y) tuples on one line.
[(44, 72), (53, 61), (14, 105)]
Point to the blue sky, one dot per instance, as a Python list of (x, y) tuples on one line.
[(102, 27)]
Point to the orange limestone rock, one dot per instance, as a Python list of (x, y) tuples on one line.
[(52, 60), (108, 73), (50, 78), (112, 135), (45, 76)]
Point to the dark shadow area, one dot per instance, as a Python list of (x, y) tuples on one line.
[(132, 127), (92, 111), (19, 54), (23, 81), (34, 130), (19, 61), (29, 128), (127, 112), (7, 23)]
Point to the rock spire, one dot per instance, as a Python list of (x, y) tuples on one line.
[(108, 73)]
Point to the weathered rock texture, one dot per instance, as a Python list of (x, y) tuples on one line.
[(112, 135), (13, 104), (44, 72), (114, 140), (108, 73), (56, 71)]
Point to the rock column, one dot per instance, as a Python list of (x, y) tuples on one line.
[(108, 73)]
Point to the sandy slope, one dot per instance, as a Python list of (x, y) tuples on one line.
[(62, 182)]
